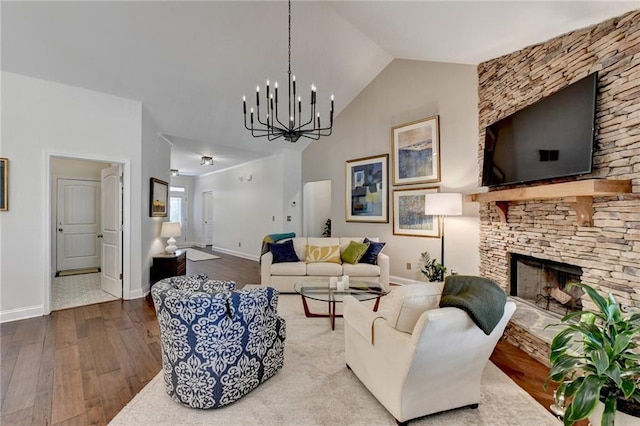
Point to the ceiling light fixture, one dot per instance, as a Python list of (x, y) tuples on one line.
[(206, 161), (271, 127), (175, 172)]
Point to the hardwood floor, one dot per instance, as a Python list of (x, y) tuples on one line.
[(83, 365)]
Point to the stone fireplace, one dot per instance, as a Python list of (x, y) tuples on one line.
[(608, 251), (544, 284)]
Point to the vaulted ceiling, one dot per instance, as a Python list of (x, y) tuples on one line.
[(189, 63)]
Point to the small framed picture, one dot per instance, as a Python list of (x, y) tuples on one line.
[(159, 195), (408, 213), (367, 189), (415, 148), (4, 184)]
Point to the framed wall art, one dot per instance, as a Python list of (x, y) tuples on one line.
[(159, 194), (4, 184), (408, 213), (367, 189), (415, 148)]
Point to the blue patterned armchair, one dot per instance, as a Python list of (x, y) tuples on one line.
[(218, 343)]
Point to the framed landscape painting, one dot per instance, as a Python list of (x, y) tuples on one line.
[(159, 194), (416, 152), (408, 213), (367, 189)]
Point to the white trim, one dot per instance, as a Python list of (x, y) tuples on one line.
[(21, 313), (235, 166), (137, 294), (126, 219), (404, 281), (236, 253)]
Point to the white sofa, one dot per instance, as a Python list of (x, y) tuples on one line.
[(283, 276), (414, 357)]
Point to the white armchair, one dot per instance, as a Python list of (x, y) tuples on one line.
[(432, 366)]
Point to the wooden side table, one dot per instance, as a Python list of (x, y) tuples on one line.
[(167, 265)]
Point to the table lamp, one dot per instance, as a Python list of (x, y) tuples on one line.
[(442, 204), (171, 229)]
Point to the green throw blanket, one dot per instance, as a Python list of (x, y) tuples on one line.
[(479, 297)]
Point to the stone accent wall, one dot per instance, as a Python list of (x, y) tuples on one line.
[(608, 251)]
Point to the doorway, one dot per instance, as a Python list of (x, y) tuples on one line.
[(178, 211), (207, 217), (316, 207), (86, 232)]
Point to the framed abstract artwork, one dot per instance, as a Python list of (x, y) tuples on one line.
[(4, 184), (367, 189), (408, 213), (159, 194), (415, 148)]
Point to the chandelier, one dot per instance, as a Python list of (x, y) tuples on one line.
[(271, 126)]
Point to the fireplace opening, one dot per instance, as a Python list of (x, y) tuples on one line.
[(544, 283)]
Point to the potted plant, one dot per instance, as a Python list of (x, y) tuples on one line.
[(433, 270), (597, 359)]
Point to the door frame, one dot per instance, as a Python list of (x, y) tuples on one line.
[(126, 221)]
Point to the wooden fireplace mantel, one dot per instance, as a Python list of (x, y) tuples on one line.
[(578, 193)]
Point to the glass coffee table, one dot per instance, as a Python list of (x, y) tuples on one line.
[(319, 290)]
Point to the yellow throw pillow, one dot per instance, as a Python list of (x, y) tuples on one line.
[(317, 254)]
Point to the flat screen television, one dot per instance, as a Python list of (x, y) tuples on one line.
[(550, 139)]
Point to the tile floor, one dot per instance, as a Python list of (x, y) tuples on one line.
[(77, 290)]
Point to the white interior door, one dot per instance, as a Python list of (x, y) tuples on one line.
[(111, 278), (77, 222), (207, 214)]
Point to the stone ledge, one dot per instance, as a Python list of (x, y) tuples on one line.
[(526, 330)]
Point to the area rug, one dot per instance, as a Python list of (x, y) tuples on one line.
[(315, 388), (197, 255)]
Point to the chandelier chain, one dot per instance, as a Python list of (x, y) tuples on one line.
[(289, 36)]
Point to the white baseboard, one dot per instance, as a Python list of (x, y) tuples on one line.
[(136, 294), (21, 313), (236, 253), (403, 281)]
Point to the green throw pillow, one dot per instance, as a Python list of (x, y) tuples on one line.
[(354, 252)]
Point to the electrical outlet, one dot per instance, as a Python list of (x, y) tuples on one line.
[(239, 244), (408, 266), (273, 218), (288, 218)]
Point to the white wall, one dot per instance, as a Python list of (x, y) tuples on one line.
[(244, 210), (403, 92), (41, 119), (156, 154)]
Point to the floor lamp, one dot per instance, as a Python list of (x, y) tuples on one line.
[(442, 204)]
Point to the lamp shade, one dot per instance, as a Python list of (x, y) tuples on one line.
[(170, 229), (443, 204)]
